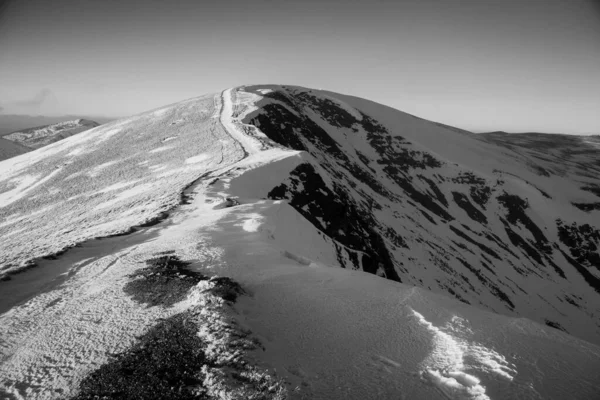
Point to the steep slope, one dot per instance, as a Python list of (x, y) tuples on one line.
[(440, 208), (206, 182), (10, 149), (40, 136)]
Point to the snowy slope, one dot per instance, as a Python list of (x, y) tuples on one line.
[(205, 180), (108, 179), (443, 209), (10, 149), (43, 135)]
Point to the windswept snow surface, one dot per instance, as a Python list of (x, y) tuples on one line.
[(330, 332), (115, 156)]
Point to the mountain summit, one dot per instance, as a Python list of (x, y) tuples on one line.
[(317, 245)]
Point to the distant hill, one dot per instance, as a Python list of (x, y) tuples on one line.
[(11, 123), (123, 251), (10, 149), (41, 136)]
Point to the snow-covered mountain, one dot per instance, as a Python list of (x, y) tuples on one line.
[(512, 228), (43, 135), (490, 261)]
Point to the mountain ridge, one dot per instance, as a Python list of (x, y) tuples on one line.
[(287, 183), (524, 249)]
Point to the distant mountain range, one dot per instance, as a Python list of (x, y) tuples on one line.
[(40, 136), (9, 149), (24, 140), (11, 122)]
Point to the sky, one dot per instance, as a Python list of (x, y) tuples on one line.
[(481, 65)]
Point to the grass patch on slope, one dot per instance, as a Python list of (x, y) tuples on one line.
[(164, 364), (199, 353), (165, 281)]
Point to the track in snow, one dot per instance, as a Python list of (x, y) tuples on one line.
[(248, 145)]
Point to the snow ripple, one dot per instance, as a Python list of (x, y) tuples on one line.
[(445, 366)]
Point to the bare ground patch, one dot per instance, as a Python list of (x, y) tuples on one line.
[(200, 353)]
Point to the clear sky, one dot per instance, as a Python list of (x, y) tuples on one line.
[(515, 65)]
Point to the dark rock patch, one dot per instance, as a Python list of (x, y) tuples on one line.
[(463, 247), (279, 124), (516, 207), (494, 238), (329, 110), (418, 197), (333, 212), (583, 242), (518, 241), (572, 301), (595, 189), (481, 195), (393, 150), (394, 237), (397, 159), (463, 202), (486, 266), (481, 246), (364, 159), (436, 190), (556, 268), (495, 290), (53, 303), (587, 207), (302, 133), (587, 275), (282, 97), (479, 190), (469, 178), (450, 290), (427, 216), (555, 325)]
